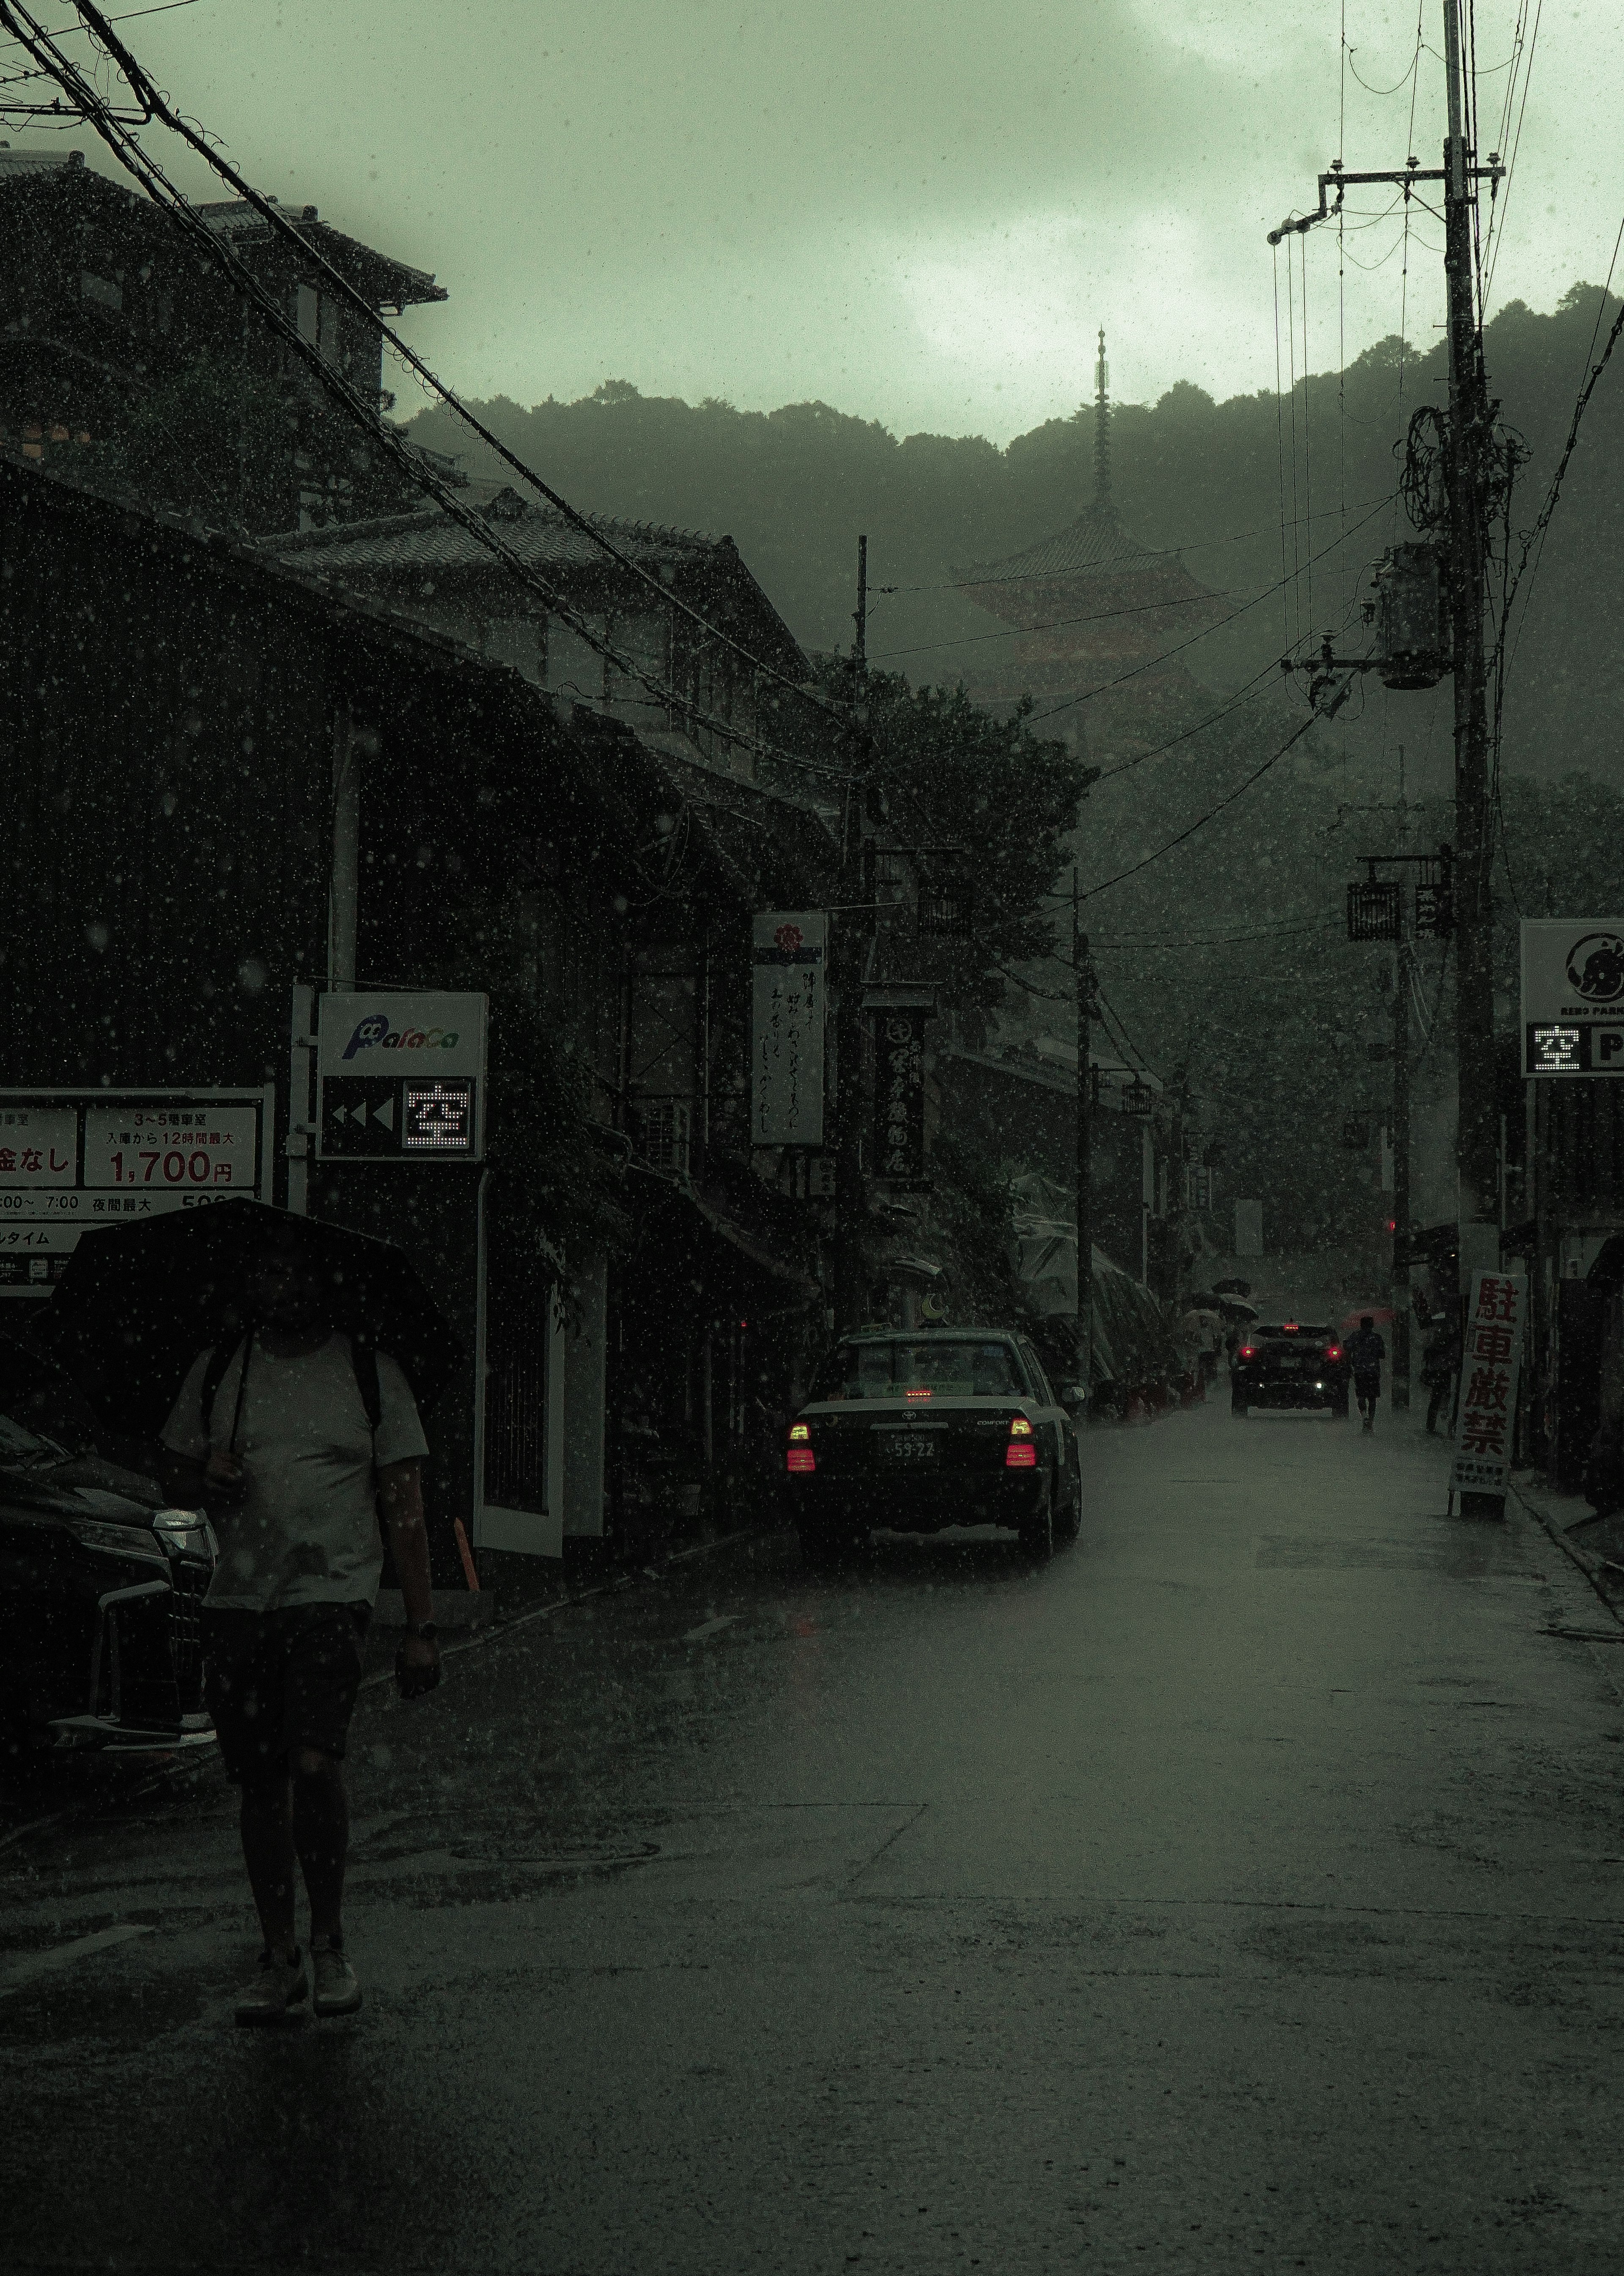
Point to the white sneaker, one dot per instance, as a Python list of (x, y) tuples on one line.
[(278, 1986), (336, 1990)]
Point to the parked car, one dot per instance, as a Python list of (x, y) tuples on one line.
[(923, 1429), (100, 1584), (1289, 1364)]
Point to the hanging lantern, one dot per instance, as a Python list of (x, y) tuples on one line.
[(1373, 910)]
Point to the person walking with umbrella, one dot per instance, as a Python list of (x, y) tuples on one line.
[(1366, 1351), (297, 1438)]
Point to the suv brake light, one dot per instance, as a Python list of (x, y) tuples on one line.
[(800, 1458), (1333, 1351), (1249, 1351)]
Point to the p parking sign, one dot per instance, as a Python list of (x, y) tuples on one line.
[(1573, 996)]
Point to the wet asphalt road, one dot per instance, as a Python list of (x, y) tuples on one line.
[(1245, 1890)]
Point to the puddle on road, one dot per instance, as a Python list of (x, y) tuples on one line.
[(1458, 1557)]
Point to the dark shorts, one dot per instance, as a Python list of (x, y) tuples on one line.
[(1367, 1387), (275, 1682)]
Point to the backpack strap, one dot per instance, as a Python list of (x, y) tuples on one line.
[(364, 1358), (214, 1374)]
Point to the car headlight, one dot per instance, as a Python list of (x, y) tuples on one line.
[(122, 1540), (186, 1533)]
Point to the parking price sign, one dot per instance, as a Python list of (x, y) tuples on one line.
[(72, 1161), (1491, 1348)]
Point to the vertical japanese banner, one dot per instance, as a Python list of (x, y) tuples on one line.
[(787, 1043), (1490, 1350), (899, 1097)]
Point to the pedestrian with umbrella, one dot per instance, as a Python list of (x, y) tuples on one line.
[(276, 1357)]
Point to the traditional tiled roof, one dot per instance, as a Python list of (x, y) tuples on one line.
[(1095, 544), (389, 282), (430, 539), (15, 165)]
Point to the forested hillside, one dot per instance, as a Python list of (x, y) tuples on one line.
[(794, 486), (1225, 955)]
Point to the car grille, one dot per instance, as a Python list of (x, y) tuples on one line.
[(186, 1631)]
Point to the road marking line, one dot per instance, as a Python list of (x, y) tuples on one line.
[(709, 1627), (27, 1965)]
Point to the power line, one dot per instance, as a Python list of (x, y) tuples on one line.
[(1536, 536), (1142, 941), (967, 584), (1257, 774), (1279, 451), (1150, 662), (77, 31), (1503, 193), (125, 148), (1109, 774), (1056, 624)]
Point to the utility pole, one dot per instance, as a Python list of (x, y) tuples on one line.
[(1470, 449), (859, 615), (1401, 966), (1083, 964), (854, 936), (1469, 445)]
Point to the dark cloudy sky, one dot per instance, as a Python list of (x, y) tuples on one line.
[(917, 210)]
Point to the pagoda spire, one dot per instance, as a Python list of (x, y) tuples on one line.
[(1102, 432)]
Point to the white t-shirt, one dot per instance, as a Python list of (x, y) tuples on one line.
[(306, 1531)]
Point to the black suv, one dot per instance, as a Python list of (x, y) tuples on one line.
[(1289, 1364)]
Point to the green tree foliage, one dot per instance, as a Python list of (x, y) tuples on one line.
[(987, 800)]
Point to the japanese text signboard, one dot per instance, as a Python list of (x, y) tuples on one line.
[(1573, 996), (401, 1077), (72, 1161), (1490, 1350), (900, 1097), (786, 1041)]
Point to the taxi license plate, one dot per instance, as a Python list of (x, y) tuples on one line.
[(904, 1447)]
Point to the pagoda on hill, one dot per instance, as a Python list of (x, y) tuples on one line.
[(1096, 610)]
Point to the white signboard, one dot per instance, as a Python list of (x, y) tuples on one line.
[(786, 1045), (1491, 1351), (1573, 996), (401, 1077), (39, 1146), (73, 1160), (175, 1151)]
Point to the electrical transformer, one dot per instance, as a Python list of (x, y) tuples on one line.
[(1411, 636)]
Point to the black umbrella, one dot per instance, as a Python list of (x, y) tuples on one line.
[(138, 1302)]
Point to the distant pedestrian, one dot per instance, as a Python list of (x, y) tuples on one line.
[(1438, 1367), (1366, 1351), (296, 1441)]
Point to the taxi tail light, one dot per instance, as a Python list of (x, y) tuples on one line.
[(1333, 1351), (1249, 1351), (800, 1457), (1021, 1451)]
